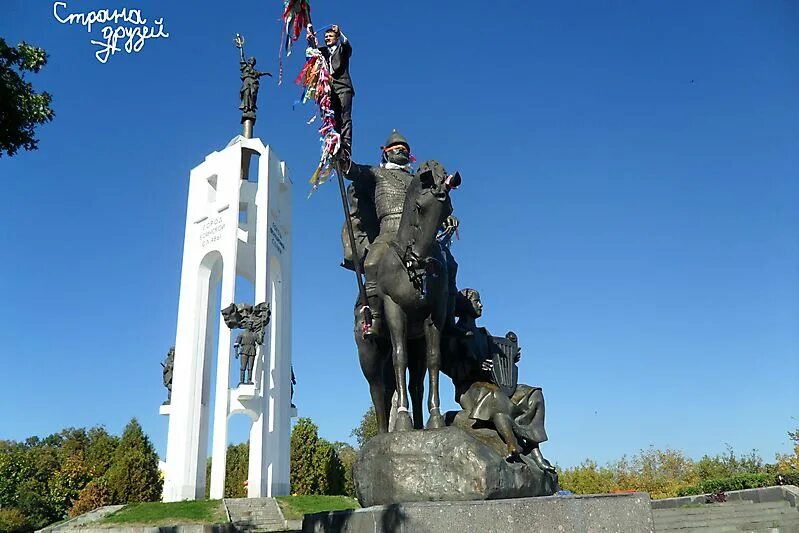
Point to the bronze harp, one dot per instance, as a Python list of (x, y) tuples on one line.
[(505, 373)]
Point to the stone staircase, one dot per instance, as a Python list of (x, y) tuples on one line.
[(750, 511), (255, 515)]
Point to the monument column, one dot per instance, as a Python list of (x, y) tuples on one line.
[(238, 223)]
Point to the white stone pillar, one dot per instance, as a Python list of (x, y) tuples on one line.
[(233, 227), (268, 471)]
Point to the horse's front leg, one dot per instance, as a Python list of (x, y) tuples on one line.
[(417, 363), (396, 321), (432, 333)]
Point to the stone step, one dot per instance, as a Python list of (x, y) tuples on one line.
[(665, 518), (733, 529), (751, 521), (785, 523), (717, 518), (720, 516), (255, 515), (724, 508), (736, 516)]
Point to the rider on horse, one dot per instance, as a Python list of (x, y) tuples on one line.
[(376, 198)]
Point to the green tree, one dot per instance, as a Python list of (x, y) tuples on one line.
[(661, 473), (790, 462), (100, 451), (21, 107), (367, 428), (14, 467), (305, 478), (347, 455), (587, 478), (236, 470), (67, 483), (728, 464), (134, 476), (95, 494), (34, 502), (315, 467), (326, 461), (13, 521)]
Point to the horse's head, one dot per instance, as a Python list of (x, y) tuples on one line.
[(434, 178)]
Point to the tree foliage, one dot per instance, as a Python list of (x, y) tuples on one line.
[(790, 462), (236, 470), (367, 428), (347, 455), (729, 464), (315, 466), (13, 521), (668, 473), (134, 476), (21, 107), (72, 472), (588, 478), (95, 494)]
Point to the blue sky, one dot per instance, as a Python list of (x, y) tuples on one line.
[(629, 208)]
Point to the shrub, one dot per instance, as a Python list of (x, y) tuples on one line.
[(587, 478), (93, 495), (787, 478), (739, 482), (13, 521)]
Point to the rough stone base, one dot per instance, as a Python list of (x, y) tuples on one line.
[(447, 464), (618, 513)]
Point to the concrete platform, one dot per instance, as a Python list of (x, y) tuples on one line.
[(615, 513)]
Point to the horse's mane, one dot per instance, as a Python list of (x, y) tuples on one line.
[(409, 222)]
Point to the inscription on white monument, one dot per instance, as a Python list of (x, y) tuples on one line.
[(211, 231), (276, 237)]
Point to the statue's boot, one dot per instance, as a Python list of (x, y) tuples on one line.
[(374, 330), (242, 375), (540, 461)]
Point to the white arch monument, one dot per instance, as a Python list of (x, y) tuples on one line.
[(238, 223)]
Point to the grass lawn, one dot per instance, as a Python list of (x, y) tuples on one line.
[(294, 507), (156, 513)]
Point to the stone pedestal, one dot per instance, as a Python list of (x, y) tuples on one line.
[(613, 513), (445, 464)]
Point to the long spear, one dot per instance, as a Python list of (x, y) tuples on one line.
[(356, 258)]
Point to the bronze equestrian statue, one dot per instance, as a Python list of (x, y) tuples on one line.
[(406, 278), (412, 282)]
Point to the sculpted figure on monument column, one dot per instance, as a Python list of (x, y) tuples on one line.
[(253, 320), (168, 367), (250, 82), (246, 347)]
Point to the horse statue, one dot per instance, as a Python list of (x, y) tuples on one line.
[(413, 289)]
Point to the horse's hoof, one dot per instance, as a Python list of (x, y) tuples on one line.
[(404, 422), (436, 421)]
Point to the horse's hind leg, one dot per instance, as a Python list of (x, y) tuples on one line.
[(395, 319), (371, 368)]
